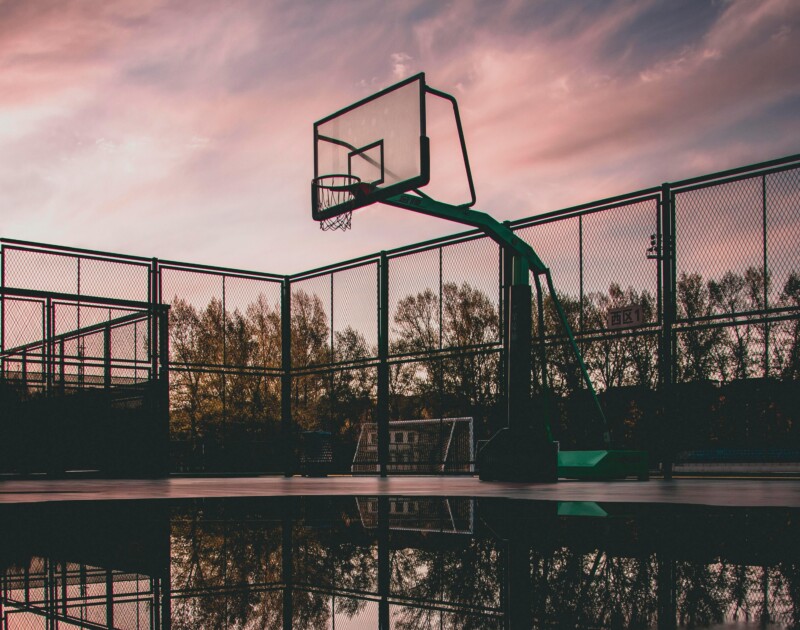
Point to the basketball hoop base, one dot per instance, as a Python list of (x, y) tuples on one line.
[(518, 456)]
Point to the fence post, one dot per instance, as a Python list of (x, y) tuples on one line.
[(504, 273), (61, 376), (667, 359), (384, 564), (154, 298), (48, 346), (107, 357), (383, 365), (225, 441), (286, 377), (2, 313), (765, 271), (287, 563), (163, 391)]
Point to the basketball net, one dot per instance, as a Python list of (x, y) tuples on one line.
[(336, 190)]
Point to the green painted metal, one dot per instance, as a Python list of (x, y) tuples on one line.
[(602, 465), (597, 465), (493, 228), (525, 261), (581, 508)]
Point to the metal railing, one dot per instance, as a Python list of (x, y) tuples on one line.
[(83, 384), (710, 262)]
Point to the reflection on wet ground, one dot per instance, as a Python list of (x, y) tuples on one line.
[(396, 562)]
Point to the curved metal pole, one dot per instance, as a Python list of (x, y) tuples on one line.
[(543, 358), (563, 317), (504, 236)]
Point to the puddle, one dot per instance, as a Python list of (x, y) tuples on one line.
[(396, 562)]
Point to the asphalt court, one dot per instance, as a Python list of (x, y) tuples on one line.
[(718, 492)]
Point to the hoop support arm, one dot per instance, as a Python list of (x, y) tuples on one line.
[(505, 237), (494, 229)]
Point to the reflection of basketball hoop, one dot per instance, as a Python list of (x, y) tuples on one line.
[(335, 190)]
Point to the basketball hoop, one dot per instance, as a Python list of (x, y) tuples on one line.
[(336, 190)]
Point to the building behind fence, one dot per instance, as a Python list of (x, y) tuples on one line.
[(711, 266)]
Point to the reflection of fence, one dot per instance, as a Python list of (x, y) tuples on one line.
[(420, 514), (379, 563), (711, 263), (78, 596), (84, 565), (326, 562)]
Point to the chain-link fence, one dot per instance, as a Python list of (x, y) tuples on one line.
[(265, 366), (225, 355), (82, 384)]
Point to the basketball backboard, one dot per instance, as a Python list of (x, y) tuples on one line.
[(371, 150)]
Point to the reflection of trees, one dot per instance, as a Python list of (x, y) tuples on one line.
[(593, 589), (468, 574), (219, 565), (227, 572), (326, 561)]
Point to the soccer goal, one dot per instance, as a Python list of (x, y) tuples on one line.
[(426, 446)]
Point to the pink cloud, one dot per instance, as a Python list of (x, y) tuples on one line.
[(183, 129)]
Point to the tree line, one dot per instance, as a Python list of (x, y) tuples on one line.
[(448, 361)]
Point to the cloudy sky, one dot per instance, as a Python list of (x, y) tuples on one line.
[(183, 129)]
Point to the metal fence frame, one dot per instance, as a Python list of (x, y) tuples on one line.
[(657, 204)]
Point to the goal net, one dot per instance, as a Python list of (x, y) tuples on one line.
[(438, 445)]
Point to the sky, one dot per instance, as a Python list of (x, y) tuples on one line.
[(183, 129)]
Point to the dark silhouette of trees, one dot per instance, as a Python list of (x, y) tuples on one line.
[(788, 355), (225, 381), (456, 371), (698, 349)]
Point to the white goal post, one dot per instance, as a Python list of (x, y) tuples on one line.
[(424, 446)]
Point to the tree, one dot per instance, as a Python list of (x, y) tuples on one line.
[(416, 332), (728, 296), (263, 323), (351, 389), (563, 367), (196, 344), (464, 325), (310, 347), (620, 360), (470, 321), (698, 348), (789, 361)]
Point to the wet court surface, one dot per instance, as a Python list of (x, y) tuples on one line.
[(401, 561), (400, 553), (721, 492)]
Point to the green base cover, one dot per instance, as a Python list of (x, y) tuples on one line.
[(602, 464)]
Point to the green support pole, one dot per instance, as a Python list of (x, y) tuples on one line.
[(287, 439), (382, 410), (526, 457), (525, 259), (563, 317)]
